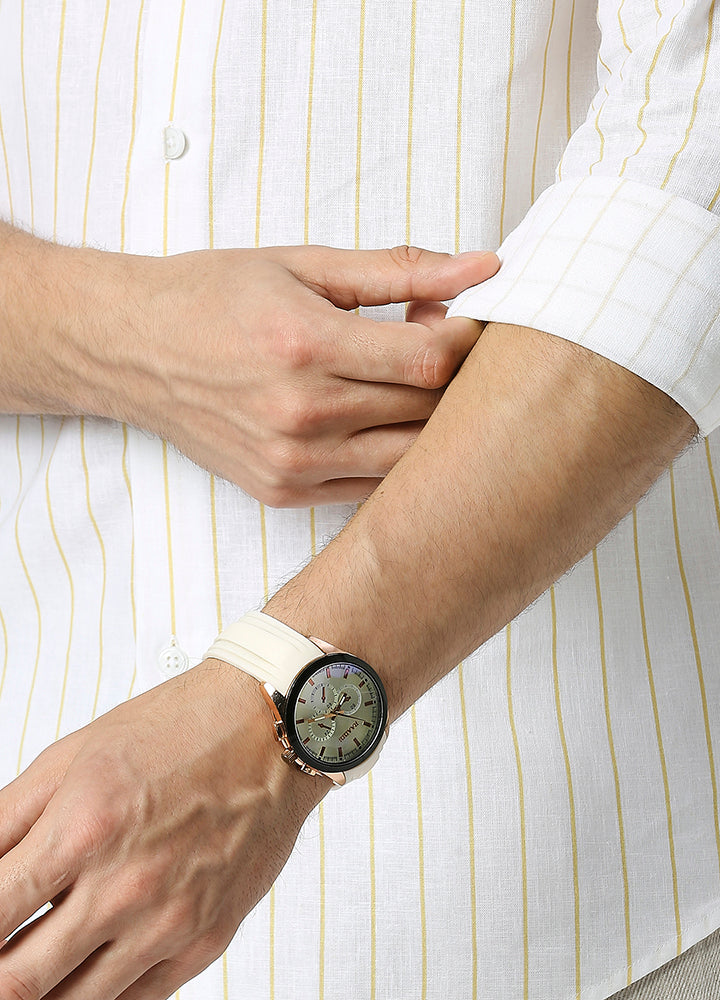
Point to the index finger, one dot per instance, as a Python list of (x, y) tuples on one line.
[(404, 353), (22, 801), (32, 874), (351, 278)]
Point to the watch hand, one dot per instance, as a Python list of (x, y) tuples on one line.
[(329, 715)]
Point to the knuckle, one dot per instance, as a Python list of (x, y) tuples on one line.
[(6, 921), (211, 945), (178, 921), (288, 461), (96, 824), (445, 367), (432, 367), (102, 808), (140, 888), (406, 256), (280, 497), (293, 347), (298, 416), (19, 986), (94, 829)]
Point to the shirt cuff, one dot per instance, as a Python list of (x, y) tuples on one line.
[(627, 270)]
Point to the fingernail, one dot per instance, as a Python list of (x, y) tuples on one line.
[(479, 254)]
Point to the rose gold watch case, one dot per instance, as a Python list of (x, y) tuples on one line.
[(278, 703)]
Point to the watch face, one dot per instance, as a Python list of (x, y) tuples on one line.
[(336, 712)]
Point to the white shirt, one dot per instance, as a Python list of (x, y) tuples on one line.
[(544, 824)]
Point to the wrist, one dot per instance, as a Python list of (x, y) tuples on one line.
[(241, 704), (328, 707), (103, 309), (368, 622)]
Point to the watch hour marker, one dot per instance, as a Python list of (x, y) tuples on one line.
[(361, 684), (366, 723), (340, 752), (311, 682), (327, 671), (322, 751), (302, 701), (368, 703), (347, 671), (356, 741), (306, 741)]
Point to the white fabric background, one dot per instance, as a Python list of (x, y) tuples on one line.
[(545, 825)]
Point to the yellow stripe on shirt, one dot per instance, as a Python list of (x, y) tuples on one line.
[(542, 101), (29, 580), (570, 791), (658, 733), (211, 153), (471, 832), (25, 113), (94, 121), (698, 661), (133, 128), (58, 77), (615, 770), (644, 106), (508, 111), (71, 585), (458, 153), (696, 98), (521, 812)]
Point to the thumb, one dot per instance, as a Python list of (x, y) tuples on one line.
[(426, 312), (351, 278)]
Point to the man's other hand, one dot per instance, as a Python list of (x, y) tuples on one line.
[(153, 831), (255, 366), (251, 362)]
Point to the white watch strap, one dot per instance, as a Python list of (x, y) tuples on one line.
[(266, 648)]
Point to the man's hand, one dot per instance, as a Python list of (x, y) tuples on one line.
[(251, 362), (154, 830)]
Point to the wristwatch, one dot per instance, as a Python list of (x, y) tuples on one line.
[(329, 707)]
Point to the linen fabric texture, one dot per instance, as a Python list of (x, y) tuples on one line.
[(545, 825)]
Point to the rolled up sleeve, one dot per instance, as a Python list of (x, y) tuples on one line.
[(622, 253)]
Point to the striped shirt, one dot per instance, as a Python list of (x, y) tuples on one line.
[(558, 834)]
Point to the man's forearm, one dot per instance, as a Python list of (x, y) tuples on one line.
[(21, 287), (45, 324), (536, 451)]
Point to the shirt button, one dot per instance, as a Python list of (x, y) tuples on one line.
[(172, 659), (174, 142)]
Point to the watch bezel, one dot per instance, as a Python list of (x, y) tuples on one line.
[(291, 701)]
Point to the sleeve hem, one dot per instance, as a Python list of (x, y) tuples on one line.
[(626, 270)]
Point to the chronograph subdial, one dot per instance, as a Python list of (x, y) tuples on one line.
[(323, 697), (349, 699), (321, 728)]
